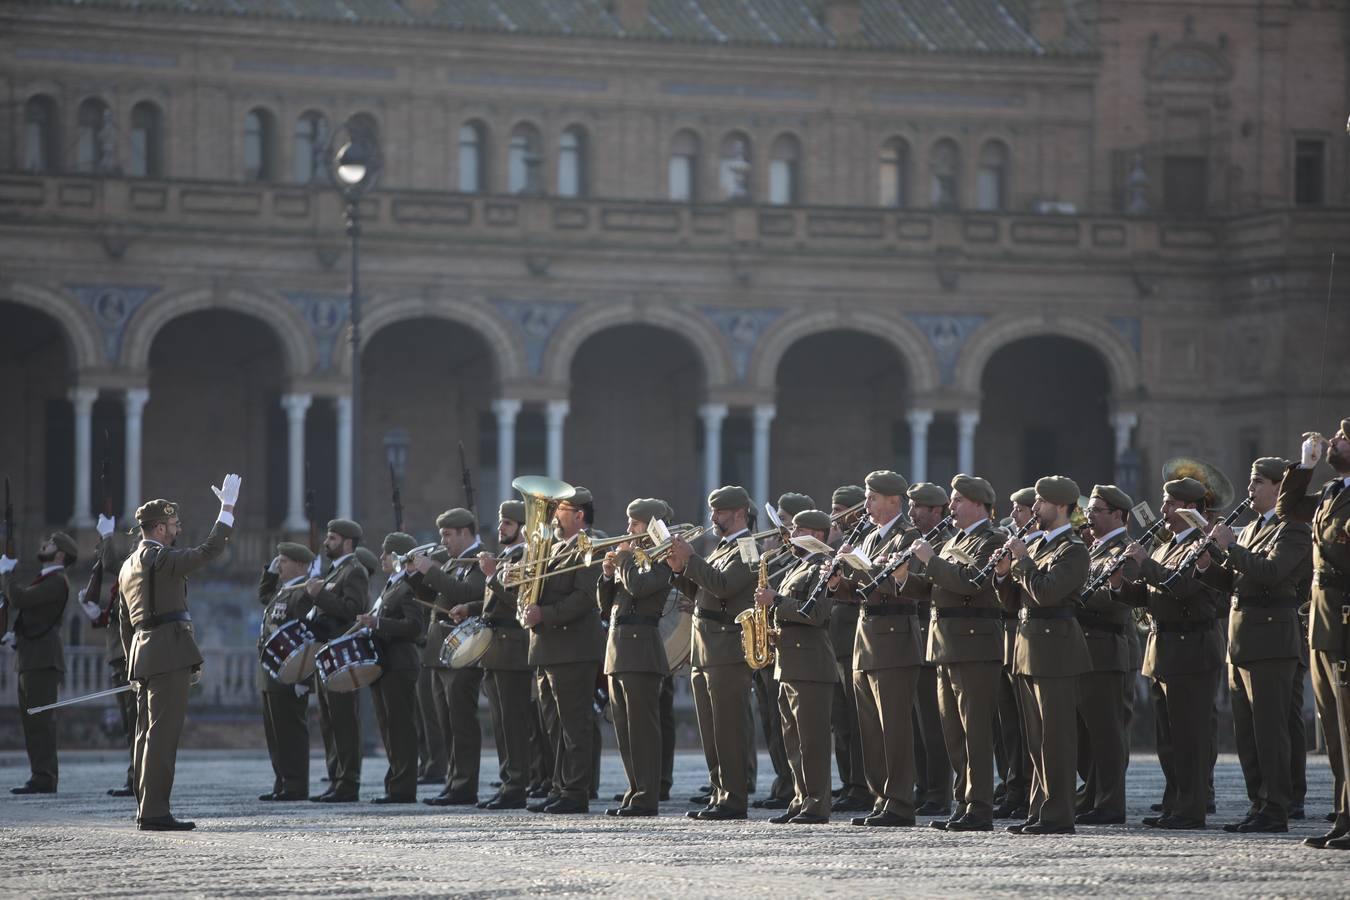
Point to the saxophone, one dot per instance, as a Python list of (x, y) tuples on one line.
[(758, 630)]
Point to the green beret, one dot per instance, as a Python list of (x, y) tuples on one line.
[(1113, 497), (848, 495), (66, 544), (296, 552), (646, 509), (580, 497), (792, 504), (1187, 490), (1271, 468), (346, 528), (156, 511), (925, 493), (1057, 489), (367, 558), (1025, 497), (512, 511), (974, 489), (886, 482), (731, 496), (398, 542), (459, 517), (814, 519)]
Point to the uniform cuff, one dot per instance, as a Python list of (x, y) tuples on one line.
[(226, 518)]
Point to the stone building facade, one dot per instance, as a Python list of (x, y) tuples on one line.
[(656, 245)]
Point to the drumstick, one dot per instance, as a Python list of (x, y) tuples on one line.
[(432, 606)]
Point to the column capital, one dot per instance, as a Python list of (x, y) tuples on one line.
[(967, 419), (1124, 419), (343, 403), (506, 407), (134, 399), (83, 397), (713, 413), (764, 413), (556, 409), (296, 404), (920, 418)]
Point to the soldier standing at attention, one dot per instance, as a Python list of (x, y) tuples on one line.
[(285, 706)]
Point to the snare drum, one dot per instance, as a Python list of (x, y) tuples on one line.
[(348, 663), (288, 653), (677, 633), (466, 643)]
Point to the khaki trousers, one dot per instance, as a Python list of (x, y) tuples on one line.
[(634, 698), (38, 687), (804, 707), (966, 694), (340, 723), (848, 751), (1261, 694), (286, 726), (394, 696), (1189, 702), (933, 771), (1105, 753), (509, 706), (431, 745), (572, 688), (456, 692), (1333, 705), (161, 709), (885, 703), (721, 701), (766, 696), (1050, 716)]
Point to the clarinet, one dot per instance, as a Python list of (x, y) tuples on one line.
[(1000, 554), (808, 605), (1207, 544), (892, 567), (1118, 563)]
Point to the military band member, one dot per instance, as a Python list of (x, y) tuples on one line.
[(39, 608), (852, 795), (965, 639), (566, 649), (805, 670), (722, 586), (1043, 580), (1264, 571), (1011, 754), (933, 771), (886, 657), (162, 655), (635, 660), (1329, 614), (507, 675), (1182, 658), (285, 706), (1107, 626), (432, 742), (457, 582), (339, 597), (105, 612)]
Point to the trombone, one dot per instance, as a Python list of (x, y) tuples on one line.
[(645, 557)]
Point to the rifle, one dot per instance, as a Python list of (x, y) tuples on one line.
[(94, 589), (10, 552), (467, 478), (397, 498)]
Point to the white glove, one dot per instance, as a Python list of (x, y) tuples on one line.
[(228, 492), (275, 565), (7, 565), (316, 566), (90, 609), (1312, 451), (105, 526), (7, 639)]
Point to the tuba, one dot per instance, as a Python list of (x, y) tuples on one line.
[(539, 494), (758, 631), (1218, 489)]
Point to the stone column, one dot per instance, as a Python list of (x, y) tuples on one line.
[(133, 403), (506, 409), (1123, 423), (555, 412), (296, 405), (764, 413), (83, 399), (344, 456), (919, 420), (966, 420), (713, 415)]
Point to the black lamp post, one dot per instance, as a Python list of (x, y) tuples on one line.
[(354, 167)]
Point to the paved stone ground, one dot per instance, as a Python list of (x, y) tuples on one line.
[(82, 843)]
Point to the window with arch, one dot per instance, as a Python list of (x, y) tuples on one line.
[(311, 142), (944, 181), (893, 174), (524, 159), (94, 140), (572, 162), (784, 167), (473, 157), (259, 145), (147, 141), (991, 180), (682, 171), (734, 167), (40, 140)]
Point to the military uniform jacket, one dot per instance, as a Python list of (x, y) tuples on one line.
[(569, 631), (724, 586), (1265, 571), (344, 595), (889, 641), (1186, 603), (400, 621), (282, 603), (1049, 577), (634, 645), (110, 602), (453, 584), (804, 651), (843, 625), (37, 624), (1330, 520), (155, 574), (1107, 623), (959, 640), (510, 647), (918, 588)]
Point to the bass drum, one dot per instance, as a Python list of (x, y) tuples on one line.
[(348, 663), (466, 643), (677, 632)]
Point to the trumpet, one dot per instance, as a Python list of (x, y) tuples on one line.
[(646, 558), (401, 559)]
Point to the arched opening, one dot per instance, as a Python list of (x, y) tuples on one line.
[(991, 181), (37, 446), (147, 141), (260, 145), (473, 148), (428, 384), (573, 163), (840, 413), (633, 428), (311, 141), (893, 174), (1045, 411), (784, 171), (944, 175), (216, 378), (95, 142), (682, 169), (525, 157), (40, 135)]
